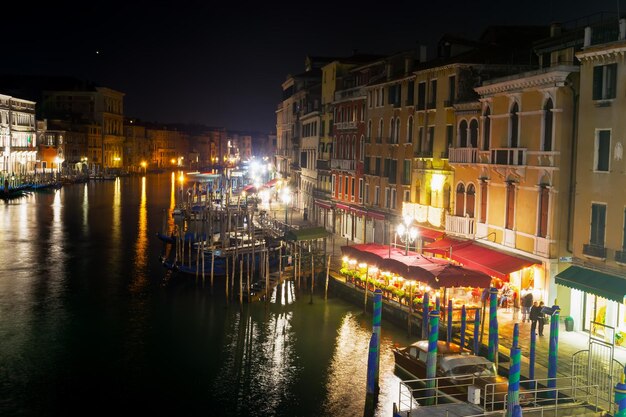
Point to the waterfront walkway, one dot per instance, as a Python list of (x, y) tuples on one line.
[(568, 343)]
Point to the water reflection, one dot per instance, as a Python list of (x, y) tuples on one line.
[(170, 218), (86, 209), (348, 371), (140, 264)]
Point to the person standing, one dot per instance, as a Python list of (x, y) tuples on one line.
[(534, 317), (527, 303), (541, 319)]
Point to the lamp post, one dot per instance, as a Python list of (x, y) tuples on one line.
[(407, 233), (143, 165), (286, 197)]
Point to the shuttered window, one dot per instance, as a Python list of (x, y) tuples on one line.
[(598, 219), (460, 199), (603, 149), (544, 200), (510, 206), (483, 201), (470, 196)]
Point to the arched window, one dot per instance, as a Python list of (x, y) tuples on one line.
[(369, 129), (514, 126), (487, 129), (460, 199), (380, 130), (392, 131), (483, 201), (470, 198), (353, 153), (463, 134), (362, 148), (473, 127), (409, 130), (335, 147), (547, 125)]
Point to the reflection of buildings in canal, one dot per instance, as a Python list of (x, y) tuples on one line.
[(139, 277), (86, 208)]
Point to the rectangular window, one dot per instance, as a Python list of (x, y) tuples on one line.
[(346, 191), (332, 184), (406, 172), (598, 219), (432, 97), (366, 166), (407, 195), (352, 190), (393, 198), (386, 167), (544, 200), (361, 190), (410, 92), (510, 206), (602, 150), (339, 184), (378, 160), (387, 197), (449, 136), (451, 89), (421, 96), (624, 233), (377, 195), (604, 81), (393, 171)]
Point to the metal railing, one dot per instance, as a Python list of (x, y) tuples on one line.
[(594, 250), (463, 155)]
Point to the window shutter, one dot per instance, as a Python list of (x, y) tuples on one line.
[(611, 80), (604, 141), (597, 82)]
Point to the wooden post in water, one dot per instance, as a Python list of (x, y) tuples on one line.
[(232, 282), (299, 249), (190, 252), (212, 264), (267, 278), (327, 276), (410, 313), (367, 271), (241, 282), (203, 243), (312, 273), (280, 261), (198, 262), (248, 274), (227, 262)]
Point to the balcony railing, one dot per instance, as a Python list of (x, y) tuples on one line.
[(345, 125), (620, 256), (343, 164), (423, 154), (543, 158), (594, 251), (463, 226), (508, 156), (323, 164), (463, 155)]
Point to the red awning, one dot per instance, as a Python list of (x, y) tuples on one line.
[(323, 205), (376, 215), (271, 183), (435, 272), (342, 206), (490, 261), (430, 233), (249, 187), (442, 246)]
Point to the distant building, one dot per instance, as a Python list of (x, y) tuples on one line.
[(18, 136)]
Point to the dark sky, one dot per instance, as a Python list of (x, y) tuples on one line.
[(222, 63)]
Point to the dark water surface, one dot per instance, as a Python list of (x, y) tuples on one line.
[(90, 323)]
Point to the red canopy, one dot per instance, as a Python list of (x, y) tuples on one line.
[(249, 187), (472, 255), (271, 183), (435, 272)]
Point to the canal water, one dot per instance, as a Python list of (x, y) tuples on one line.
[(91, 324)]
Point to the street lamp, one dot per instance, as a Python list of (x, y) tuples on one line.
[(407, 233), (286, 197), (144, 164)]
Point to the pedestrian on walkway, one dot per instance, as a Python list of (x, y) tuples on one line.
[(534, 317), (541, 319), (527, 303)]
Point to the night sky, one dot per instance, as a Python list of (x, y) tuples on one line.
[(222, 64)]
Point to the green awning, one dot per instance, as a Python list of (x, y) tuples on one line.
[(611, 287), (306, 234)]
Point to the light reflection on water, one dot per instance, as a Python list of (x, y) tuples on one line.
[(86, 312)]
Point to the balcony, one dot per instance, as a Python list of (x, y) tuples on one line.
[(423, 154), (461, 226), (508, 156), (543, 158), (542, 246), (620, 256), (323, 165), (343, 164), (463, 155), (345, 125), (594, 251)]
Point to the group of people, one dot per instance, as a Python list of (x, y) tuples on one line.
[(531, 311)]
